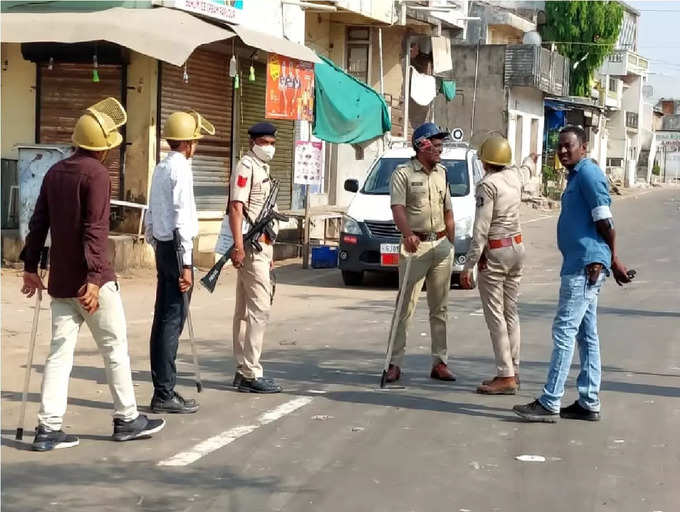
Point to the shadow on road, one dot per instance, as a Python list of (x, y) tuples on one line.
[(48, 485)]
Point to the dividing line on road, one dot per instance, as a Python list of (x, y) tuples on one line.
[(229, 436)]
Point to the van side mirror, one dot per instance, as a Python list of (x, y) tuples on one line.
[(352, 185)]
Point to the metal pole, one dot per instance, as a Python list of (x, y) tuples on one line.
[(474, 92), (380, 53), (407, 84)]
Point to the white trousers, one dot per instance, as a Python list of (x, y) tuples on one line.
[(107, 325)]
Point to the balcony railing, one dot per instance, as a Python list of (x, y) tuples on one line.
[(625, 62), (533, 66), (631, 120)]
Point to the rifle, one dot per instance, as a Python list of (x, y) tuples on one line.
[(262, 225)]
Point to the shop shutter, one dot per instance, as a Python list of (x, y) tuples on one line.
[(208, 91), (251, 98), (66, 91)]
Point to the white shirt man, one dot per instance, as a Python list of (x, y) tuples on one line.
[(172, 208), (172, 204)]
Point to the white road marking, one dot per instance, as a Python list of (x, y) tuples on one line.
[(229, 436), (209, 445), (283, 409)]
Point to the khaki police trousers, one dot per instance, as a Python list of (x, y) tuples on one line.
[(499, 291), (251, 313), (431, 264)]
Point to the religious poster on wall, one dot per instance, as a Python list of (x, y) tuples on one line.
[(308, 163), (290, 89)]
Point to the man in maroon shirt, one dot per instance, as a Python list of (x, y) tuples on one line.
[(74, 206)]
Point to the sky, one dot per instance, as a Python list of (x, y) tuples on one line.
[(659, 41)]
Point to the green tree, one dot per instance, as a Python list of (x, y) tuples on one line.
[(583, 22)]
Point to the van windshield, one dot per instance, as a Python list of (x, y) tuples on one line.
[(378, 181)]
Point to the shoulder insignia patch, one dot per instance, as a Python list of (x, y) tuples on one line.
[(480, 201), (242, 181)]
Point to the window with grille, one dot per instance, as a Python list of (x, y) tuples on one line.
[(358, 52), (613, 85)]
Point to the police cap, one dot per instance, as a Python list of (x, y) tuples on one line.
[(427, 131), (261, 130)]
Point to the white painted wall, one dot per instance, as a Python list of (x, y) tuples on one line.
[(525, 104), (17, 87)]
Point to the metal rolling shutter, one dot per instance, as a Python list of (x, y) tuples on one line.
[(209, 92), (251, 97), (66, 91)]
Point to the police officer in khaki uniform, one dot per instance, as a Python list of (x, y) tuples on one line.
[(497, 246), (249, 187), (421, 207)]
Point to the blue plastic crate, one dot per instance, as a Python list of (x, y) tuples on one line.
[(324, 256)]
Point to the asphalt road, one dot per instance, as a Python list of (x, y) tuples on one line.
[(333, 442)]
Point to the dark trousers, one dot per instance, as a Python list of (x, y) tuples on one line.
[(168, 321)]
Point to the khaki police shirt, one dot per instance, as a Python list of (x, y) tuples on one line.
[(250, 184), (499, 196), (425, 196)]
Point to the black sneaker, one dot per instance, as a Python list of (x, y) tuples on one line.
[(576, 412), (536, 412), (46, 439), (174, 405), (141, 426), (259, 385)]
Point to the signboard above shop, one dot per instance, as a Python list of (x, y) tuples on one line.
[(230, 11)]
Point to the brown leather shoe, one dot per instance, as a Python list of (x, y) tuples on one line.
[(441, 372), (489, 381), (393, 373), (499, 386)]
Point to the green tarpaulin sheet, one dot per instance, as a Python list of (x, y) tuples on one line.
[(345, 109)]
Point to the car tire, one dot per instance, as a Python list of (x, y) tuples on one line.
[(352, 278)]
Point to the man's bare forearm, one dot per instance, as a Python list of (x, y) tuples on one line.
[(399, 216), (606, 230), (236, 222), (450, 225)]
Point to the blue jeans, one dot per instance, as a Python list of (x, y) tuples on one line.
[(575, 322)]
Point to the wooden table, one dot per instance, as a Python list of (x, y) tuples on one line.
[(305, 217)]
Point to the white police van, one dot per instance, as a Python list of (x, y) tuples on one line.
[(369, 239)]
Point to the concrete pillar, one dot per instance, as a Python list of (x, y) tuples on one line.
[(140, 154)]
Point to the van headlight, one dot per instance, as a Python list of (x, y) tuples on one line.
[(350, 226), (464, 227)]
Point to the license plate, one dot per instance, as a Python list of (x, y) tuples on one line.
[(389, 255)]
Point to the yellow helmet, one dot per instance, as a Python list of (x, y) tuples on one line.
[(97, 128), (186, 126), (496, 151)]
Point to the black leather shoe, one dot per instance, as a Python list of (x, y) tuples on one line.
[(576, 412), (174, 405), (535, 412), (238, 378), (259, 385)]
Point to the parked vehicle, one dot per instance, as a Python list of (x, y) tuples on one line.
[(369, 239)]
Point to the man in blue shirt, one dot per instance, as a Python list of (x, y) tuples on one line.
[(586, 239)]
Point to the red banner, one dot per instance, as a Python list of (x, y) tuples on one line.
[(290, 89)]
